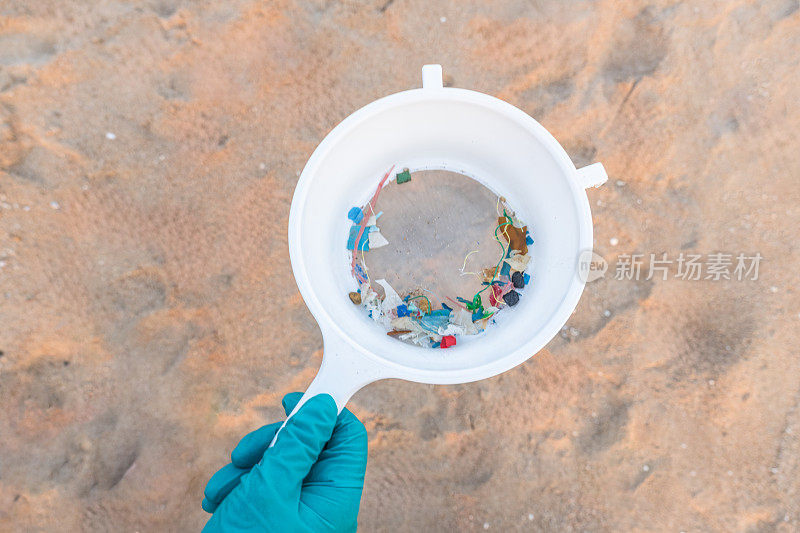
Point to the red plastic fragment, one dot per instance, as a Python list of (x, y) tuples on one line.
[(448, 341), (495, 295)]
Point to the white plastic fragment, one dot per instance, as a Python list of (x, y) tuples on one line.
[(392, 299), (421, 338), (417, 334), (451, 329), (371, 302), (518, 261), (463, 318), (376, 240)]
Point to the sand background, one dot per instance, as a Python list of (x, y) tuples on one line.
[(149, 319)]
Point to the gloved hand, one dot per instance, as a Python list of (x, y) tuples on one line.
[(311, 480)]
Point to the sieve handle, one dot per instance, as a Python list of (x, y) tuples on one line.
[(342, 373)]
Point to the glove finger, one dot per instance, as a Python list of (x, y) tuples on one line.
[(208, 506), (253, 445), (299, 444), (290, 400), (343, 460), (223, 482), (333, 486)]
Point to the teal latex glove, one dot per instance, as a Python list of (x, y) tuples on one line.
[(311, 480)]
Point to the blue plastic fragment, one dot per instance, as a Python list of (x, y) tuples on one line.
[(402, 310), (434, 322), (436, 344), (445, 306), (355, 214), (477, 314), (528, 239), (505, 270), (440, 312), (527, 277), (363, 244)]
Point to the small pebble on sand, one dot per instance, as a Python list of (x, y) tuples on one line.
[(530, 516), (55, 205)]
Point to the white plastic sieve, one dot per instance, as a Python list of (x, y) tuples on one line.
[(461, 131)]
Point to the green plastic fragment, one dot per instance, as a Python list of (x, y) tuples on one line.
[(475, 304), (403, 176)]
